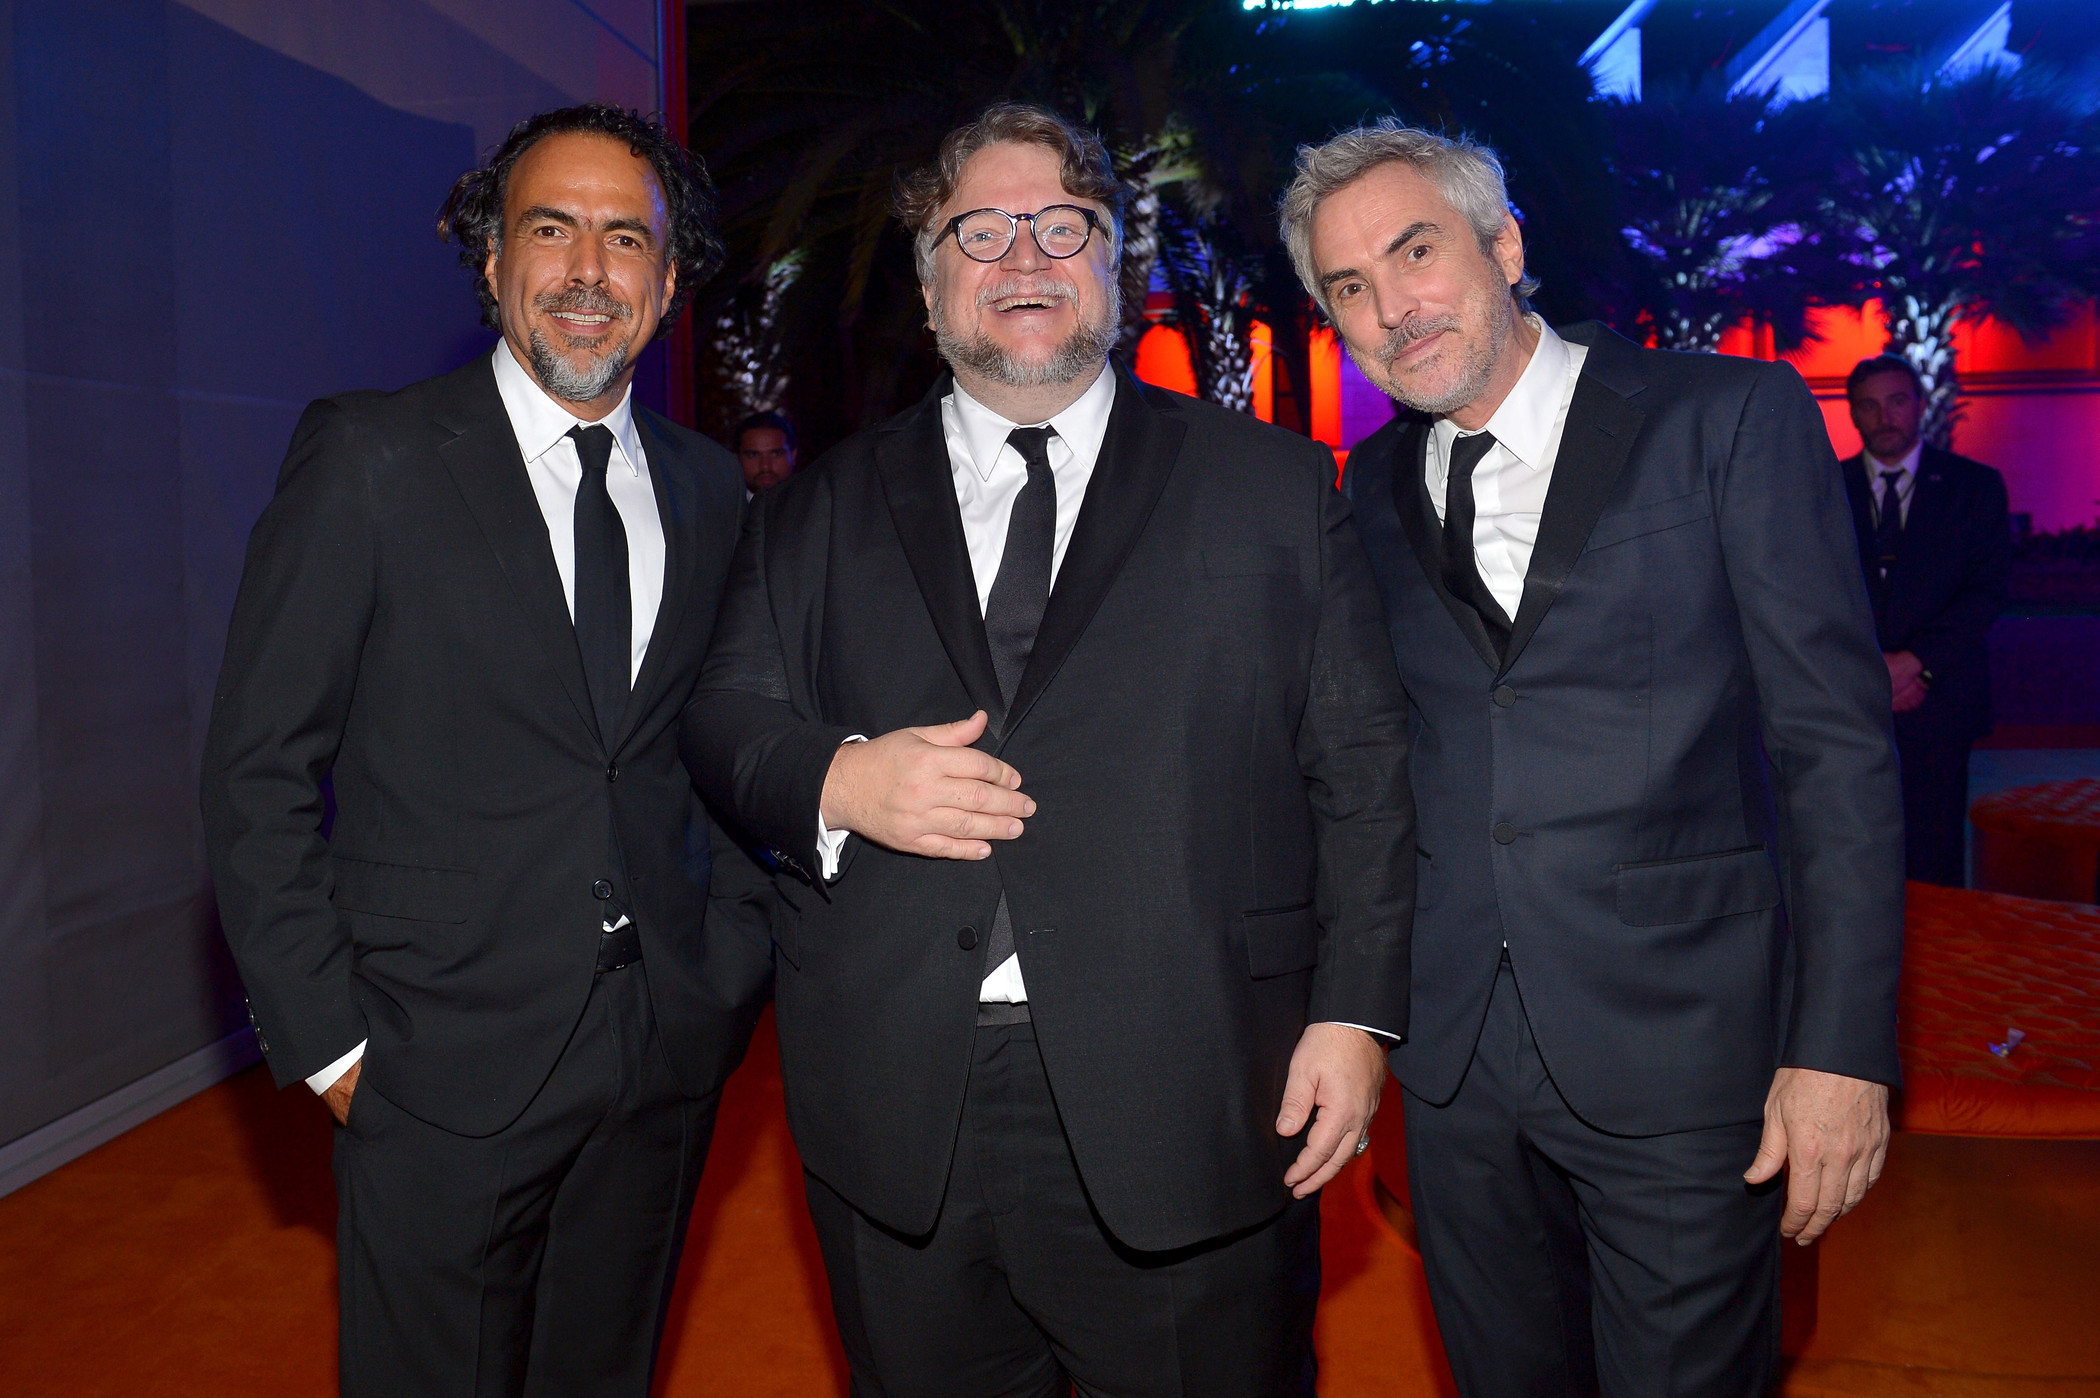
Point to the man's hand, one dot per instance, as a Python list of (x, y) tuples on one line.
[(1336, 1075), (925, 791), (338, 1094), (1906, 680), (1832, 1134)]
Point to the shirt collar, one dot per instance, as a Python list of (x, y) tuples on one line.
[(541, 423), (1080, 426), (1524, 423), (1907, 464)]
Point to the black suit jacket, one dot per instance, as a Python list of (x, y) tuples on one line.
[(1683, 758), (1946, 589), (1212, 728), (400, 629)]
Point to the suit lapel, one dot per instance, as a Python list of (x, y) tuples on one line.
[(912, 457), (1425, 532), (1594, 447), (485, 464), (1137, 457), (677, 512)]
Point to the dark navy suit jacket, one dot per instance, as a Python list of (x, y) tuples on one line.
[(1675, 798), (1946, 589)]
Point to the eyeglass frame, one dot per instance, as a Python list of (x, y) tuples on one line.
[(1013, 231)]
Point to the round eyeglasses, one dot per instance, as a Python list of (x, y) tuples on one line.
[(986, 235)]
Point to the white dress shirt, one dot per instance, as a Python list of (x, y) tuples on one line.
[(1510, 482), (542, 425), (1906, 469), (988, 475)]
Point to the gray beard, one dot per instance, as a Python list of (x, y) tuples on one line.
[(1081, 352), (1478, 369), (564, 380)]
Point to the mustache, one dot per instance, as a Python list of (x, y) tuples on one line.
[(1411, 331), (590, 300), (1037, 285)]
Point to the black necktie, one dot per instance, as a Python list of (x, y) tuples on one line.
[(1888, 542), (1012, 615), (1014, 611), (1461, 572), (604, 614)]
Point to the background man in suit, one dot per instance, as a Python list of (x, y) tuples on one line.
[(479, 605), (1660, 894), (765, 448), (1936, 551), (1054, 1100)]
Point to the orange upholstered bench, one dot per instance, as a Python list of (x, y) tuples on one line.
[(2040, 841), (1977, 966)]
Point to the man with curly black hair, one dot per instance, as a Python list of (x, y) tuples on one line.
[(476, 608)]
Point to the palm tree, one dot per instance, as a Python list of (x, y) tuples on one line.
[(1717, 198), (1213, 302), (1962, 198)]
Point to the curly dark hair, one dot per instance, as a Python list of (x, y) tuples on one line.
[(473, 211)]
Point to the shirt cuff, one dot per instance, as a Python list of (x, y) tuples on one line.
[(830, 841), (1375, 1033), (320, 1082)]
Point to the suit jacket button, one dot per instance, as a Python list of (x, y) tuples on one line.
[(1505, 833), (601, 890), (967, 939), (1504, 696), (612, 774)]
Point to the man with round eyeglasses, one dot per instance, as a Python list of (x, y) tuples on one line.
[(1091, 952)]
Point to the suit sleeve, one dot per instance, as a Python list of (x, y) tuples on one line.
[(1957, 635), (283, 697), (1352, 750), (736, 971), (1823, 697), (754, 758)]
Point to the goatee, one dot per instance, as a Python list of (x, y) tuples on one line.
[(555, 371)]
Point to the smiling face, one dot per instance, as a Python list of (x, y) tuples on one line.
[(1027, 321), (1886, 410), (581, 276), (1426, 314)]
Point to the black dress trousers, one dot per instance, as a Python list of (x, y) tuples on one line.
[(1565, 1261), (537, 1261), (1021, 1292), (1935, 810)]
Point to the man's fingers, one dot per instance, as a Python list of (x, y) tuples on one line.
[(1831, 1184), (1329, 1146), (1771, 1152), (971, 765), (985, 798), (1298, 1091), (1801, 1188), (959, 734), (944, 847)]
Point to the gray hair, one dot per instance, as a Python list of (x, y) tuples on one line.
[(1468, 174)]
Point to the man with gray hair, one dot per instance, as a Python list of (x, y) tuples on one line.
[(1659, 881), (1090, 952)]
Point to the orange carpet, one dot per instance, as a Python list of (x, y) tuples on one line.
[(193, 1256)]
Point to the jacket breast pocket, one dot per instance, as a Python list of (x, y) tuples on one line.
[(1281, 941), (1250, 561), (1618, 527), (402, 890), (1698, 889)]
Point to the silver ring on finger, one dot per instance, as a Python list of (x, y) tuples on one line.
[(1363, 1143)]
